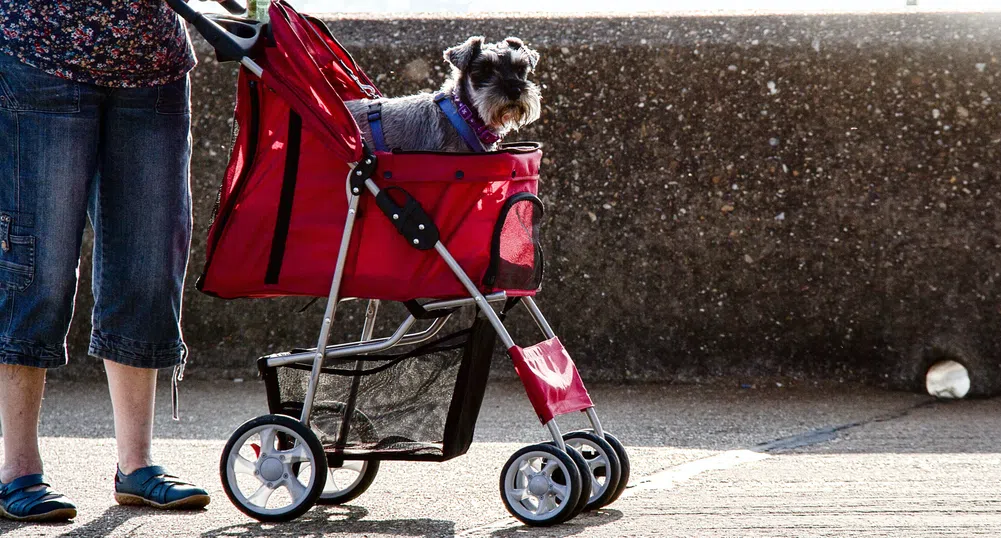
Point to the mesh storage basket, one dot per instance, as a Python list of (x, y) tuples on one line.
[(418, 403)]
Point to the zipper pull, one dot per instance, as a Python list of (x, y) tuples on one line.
[(5, 233)]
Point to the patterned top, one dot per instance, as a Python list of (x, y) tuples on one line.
[(115, 43)]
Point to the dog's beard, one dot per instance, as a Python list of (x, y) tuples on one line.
[(502, 114)]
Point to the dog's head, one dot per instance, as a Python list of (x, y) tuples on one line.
[(493, 79)]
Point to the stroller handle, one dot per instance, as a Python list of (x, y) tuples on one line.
[(234, 39), (232, 6)]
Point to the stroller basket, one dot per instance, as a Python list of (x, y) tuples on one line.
[(416, 404)]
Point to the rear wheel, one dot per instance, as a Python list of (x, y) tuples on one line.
[(257, 471), (349, 480)]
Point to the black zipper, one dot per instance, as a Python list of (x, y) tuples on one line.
[(284, 214)]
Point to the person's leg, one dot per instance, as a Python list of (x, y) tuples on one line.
[(141, 212), (133, 393), (48, 155), (20, 403)]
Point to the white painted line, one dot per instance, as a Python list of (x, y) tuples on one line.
[(672, 476)]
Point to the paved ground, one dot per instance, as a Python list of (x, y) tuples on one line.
[(707, 461)]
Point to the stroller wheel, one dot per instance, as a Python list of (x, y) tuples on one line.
[(347, 482), (620, 452), (257, 470), (586, 481), (540, 485), (601, 464)]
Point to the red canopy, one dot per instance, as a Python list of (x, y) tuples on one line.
[(313, 73)]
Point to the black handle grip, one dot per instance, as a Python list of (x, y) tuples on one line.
[(232, 6), (233, 39)]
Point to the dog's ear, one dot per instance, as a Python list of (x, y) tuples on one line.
[(517, 44), (514, 42), (462, 55)]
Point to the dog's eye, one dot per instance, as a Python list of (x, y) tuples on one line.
[(483, 71)]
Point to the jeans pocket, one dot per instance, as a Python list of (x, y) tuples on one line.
[(25, 88), (17, 257), (174, 98)]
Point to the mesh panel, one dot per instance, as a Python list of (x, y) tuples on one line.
[(517, 248), (404, 401)]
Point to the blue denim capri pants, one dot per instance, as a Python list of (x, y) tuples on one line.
[(120, 156)]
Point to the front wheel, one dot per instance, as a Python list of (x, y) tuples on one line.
[(601, 463), (620, 452), (540, 485)]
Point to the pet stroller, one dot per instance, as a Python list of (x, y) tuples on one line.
[(438, 232)]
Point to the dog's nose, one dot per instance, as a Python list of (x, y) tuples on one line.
[(514, 93)]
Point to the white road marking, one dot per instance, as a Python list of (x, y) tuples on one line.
[(672, 476)]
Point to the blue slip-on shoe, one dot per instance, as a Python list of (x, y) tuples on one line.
[(152, 486), (20, 503)]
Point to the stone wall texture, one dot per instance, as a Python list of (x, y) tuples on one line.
[(736, 197)]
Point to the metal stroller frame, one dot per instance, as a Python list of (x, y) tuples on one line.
[(236, 39)]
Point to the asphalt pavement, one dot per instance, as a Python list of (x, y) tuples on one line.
[(717, 460)]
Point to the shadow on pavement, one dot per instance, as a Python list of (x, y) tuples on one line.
[(578, 525), (12, 528), (324, 521), (111, 519)]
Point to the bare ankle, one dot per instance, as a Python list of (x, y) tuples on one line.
[(13, 470), (129, 467)]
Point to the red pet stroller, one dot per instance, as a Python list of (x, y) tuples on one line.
[(435, 231)]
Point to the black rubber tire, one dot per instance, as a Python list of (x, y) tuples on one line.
[(620, 451), (368, 476), (573, 480), (316, 451), (612, 473), (585, 482), (294, 409)]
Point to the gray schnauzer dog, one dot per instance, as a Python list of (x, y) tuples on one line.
[(487, 95)]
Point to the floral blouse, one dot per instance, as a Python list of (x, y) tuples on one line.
[(114, 43)]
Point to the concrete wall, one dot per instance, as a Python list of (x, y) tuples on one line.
[(738, 197)]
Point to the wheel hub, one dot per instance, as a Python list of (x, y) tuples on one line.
[(272, 469), (538, 485)]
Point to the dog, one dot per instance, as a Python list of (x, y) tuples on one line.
[(486, 96)]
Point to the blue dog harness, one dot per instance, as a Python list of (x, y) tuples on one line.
[(447, 107), (375, 123)]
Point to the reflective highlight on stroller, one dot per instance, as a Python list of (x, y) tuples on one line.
[(306, 208)]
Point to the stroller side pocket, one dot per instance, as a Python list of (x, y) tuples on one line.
[(516, 260)]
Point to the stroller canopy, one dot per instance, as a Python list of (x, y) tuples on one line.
[(314, 74)]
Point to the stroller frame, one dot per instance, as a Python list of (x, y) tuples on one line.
[(541, 484), (401, 336)]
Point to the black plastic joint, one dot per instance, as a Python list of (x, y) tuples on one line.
[(374, 112), (363, 170), (417, 310), (409, 218)]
